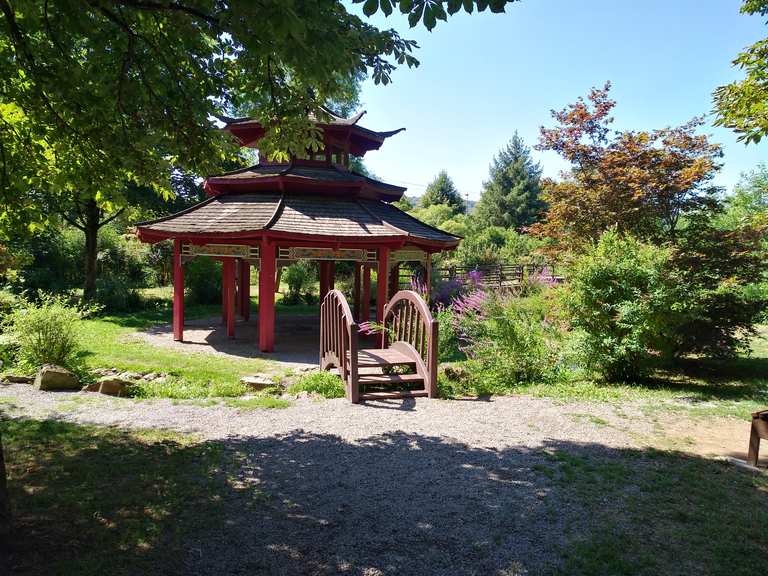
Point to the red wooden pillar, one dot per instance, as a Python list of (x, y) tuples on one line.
[(178, 292), (244, 289), (366, 310), (356, 294), (331, 274), (325, 278), (228, 290), (267, 297), (394, 279), (382, 280), (238, 293)]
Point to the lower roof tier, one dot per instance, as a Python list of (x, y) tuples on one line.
[(328, 219)]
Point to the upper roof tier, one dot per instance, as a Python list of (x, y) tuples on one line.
[(342, 133), (319, 178)]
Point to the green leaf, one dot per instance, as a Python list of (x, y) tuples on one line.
[(453, 6), (415, 16), (406, 6), (429, 18), (386, 7), (468, 6), (370, 7)]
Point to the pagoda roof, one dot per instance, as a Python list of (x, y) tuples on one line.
[(361, 140), (329, 219), (302, 178)]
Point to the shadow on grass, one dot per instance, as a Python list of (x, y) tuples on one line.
[(707, 379), (91, 500)]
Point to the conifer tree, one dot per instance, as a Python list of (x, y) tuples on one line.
[(442, 190), (510, 197)]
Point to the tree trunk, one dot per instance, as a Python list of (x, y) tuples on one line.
[(91, 229)]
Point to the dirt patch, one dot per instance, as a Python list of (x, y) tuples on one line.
[(709, 437)]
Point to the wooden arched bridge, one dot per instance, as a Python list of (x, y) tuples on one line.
[(405, 363)]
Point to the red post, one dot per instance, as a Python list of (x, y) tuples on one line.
[(325, 278), (238, 293), (245, 289), (331, 275), (394, 279), (228, 290), (366, 311), (381, 283), (356, 294), (267, 297), (178, 292)]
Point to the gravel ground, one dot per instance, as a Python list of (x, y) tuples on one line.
[(423, 486)]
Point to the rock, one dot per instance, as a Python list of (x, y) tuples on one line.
[(52, 377), (92, 387), (18, 379), (130, 376), (114, 386), (101, 371), (307, 369), (150, 376), (257, 381)]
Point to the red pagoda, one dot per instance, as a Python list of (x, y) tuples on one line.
[(315, 208)]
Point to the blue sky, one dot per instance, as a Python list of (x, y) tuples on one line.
[(486, 75)]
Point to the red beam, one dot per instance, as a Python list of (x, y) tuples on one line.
[(267, 297), (178, 292), (356, 294)]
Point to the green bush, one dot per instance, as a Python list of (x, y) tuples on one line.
[(624, 302), (513, 342), (202, 277), (300, 278), (47, 332), (323, 383), (448, 336), (725, 279)]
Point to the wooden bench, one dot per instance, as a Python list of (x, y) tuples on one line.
[(759, 431)]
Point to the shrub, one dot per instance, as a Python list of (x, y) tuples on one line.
[(723, 271), (323, 383), (622, 298), (300, 278), (47, 332), (448, 339), (202, 277), (512, 342)]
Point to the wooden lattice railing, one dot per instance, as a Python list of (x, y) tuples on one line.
[(409, 328), (409, 339), (338, 340)]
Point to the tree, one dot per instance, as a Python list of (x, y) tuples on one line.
[(640, 183), (743, 105), (101, 95), (443, 191), (510, 197), (5, 508)]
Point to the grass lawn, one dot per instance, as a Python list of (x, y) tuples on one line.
[(108, 344), (735, 387)]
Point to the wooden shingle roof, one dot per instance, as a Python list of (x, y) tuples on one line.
[(323, 217)]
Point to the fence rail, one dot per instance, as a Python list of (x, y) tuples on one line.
[(499, 276)]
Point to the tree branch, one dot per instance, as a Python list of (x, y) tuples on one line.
[(108, 220), (172, 7)]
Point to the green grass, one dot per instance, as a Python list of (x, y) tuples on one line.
[(323, 383), (92, 500), (108, 343), (257, 402), (699, 387), (657, 513)]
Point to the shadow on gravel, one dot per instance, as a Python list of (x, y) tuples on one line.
[(91, 500)]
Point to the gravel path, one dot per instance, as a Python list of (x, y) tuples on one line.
[(424, 487)]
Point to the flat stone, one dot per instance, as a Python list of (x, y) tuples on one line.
[(150, 376), (92, 387), (52, 377), (257, 381), (114, 386), (18, 379), (130, 376)]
